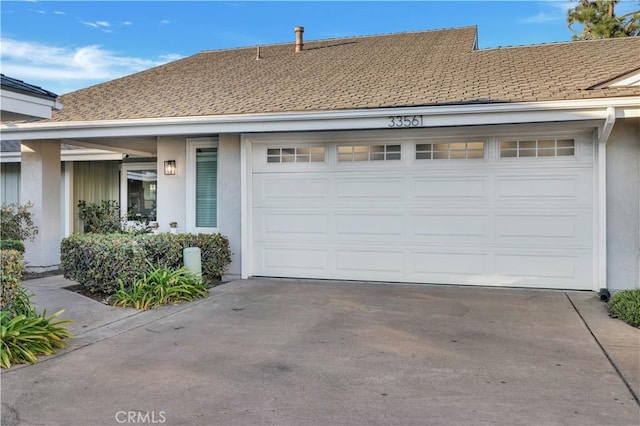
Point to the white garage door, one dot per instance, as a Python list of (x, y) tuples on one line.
[(486, 211)]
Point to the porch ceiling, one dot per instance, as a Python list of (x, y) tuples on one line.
[(140, 145)]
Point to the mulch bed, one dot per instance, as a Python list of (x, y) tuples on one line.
[(99, 297)]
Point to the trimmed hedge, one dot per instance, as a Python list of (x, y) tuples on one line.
[(12, 269), (97, 261), (12, 245)]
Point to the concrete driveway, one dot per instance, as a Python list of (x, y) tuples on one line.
[(325, 353)]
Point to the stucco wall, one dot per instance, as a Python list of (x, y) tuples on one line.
[(172, 190), (623, 205), (172, 199), (229, 196)]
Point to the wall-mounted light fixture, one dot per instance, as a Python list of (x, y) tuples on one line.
[(170, 167)]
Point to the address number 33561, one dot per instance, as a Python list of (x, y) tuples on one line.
[(405, 121)]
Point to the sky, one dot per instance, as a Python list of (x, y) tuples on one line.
[(66, 46)]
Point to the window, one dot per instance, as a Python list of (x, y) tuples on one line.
[(202, 184), (369, 152), (206, 187), (537, 148), (313, 154), (449, 150), (139, 191)]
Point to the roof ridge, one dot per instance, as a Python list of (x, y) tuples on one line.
[(557, 43), (474, 27)]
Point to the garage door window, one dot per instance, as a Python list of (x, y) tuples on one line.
[(369, 152), (537, 148), (449, 150), (300, 154)]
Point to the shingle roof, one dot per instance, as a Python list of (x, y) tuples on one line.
[(16, 85), (440, 67)]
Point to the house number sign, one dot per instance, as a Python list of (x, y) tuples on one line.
[(398, 121)]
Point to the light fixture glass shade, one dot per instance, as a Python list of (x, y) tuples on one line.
[(170, 167)]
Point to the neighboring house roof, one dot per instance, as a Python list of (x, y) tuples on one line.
[(441, 67), (15, 85), (22, 101)]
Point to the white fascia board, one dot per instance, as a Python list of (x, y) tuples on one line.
[(33, 106), (435, 116), (73, 155)]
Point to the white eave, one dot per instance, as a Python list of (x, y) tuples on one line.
[(70, 155), (379, 118), (21, 105)]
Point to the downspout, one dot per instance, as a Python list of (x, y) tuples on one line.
[(603, 138)]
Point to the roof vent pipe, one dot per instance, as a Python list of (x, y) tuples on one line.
[(299, 44)]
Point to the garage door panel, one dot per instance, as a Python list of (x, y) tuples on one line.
[(369, 226), (291, 226), (433, 227), (552, 265), (536, 187), (448, 262), (350, 188), (283, 261), (450, 188), (365, 261), (270, 190), (544, 229)]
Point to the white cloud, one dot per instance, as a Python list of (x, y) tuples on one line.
[(127, 23), (62, 69), (59, 12), (553, 11), (540, 18), (165, 22), (96, 24)]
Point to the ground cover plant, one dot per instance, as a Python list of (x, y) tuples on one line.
[(625, 305), (24, 334), (24, 337), (160, 286)]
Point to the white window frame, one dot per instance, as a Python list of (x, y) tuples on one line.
[(124, 191), (536, 149), (192, 145), (369, 160)]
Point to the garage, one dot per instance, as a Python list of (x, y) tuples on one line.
[(407, 206)]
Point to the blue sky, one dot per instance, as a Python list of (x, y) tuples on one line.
[(65, 46)]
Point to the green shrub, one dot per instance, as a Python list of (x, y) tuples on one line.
[(12, 245), (26, 336), (160, 286), (16, 222), (101, 218), (12, 269), (98, 261), (626, 306)]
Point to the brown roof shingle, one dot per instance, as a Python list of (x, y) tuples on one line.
[(409, 69)]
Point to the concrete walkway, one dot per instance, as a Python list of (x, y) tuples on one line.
[(305, 352)]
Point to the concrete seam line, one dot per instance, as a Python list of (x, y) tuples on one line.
[(604, 351)]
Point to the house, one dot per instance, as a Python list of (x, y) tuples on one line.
[(411, 157), (24, 101)]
